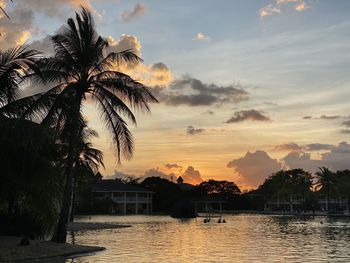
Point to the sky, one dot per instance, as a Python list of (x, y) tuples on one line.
[(245, 88)]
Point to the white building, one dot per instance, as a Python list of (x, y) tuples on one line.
[(122, 198)]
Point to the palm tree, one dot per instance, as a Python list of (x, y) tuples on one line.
[(28, 152), (325, 181), (82, 68), (15, 64), (89, 160)]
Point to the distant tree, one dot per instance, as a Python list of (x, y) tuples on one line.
[(325, 183), (166, 192), (342, 185), (287, 184), (223, 188)]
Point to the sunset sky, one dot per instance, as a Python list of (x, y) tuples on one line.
[(245, 87)]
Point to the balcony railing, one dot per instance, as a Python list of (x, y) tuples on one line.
[(132, 199)]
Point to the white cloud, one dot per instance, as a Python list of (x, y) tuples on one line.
[(201, 37), (269, 10), (278, 5)]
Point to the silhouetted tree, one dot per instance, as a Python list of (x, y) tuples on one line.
[(166, 192), (287, 184), (325, 182), (223, 188), (82, 68), (15, 65), (87, 164), (30, 176), (342, 185)]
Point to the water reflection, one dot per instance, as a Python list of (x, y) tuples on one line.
[(244, 238)]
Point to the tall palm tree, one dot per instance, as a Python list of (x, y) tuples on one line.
[(82, 69), (325, 182)]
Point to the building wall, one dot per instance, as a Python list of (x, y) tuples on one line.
[(125, 203)]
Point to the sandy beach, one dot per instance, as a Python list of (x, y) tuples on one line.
[(11, 251)]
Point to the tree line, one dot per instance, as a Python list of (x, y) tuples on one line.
[(310, 190), (296, 188)]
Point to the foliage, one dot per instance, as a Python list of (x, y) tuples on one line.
[(81, 68), (221, 188), (166, 192), (30, 179), (15, 64)]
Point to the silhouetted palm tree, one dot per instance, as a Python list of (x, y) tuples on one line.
[(82, 68), (325, 181), (15, 64), (89, 160)]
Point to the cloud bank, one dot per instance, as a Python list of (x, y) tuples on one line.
[(170, 171), (193, 92), (254, 168)]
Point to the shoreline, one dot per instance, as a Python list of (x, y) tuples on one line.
[(288, 213), (11, 251), (43, 251), (82, 226)]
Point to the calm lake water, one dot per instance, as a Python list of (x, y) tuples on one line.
[(244, 238)]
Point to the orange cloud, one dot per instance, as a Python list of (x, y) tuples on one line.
[(301, 7)]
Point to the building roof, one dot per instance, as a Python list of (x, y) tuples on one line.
[(116, 186)]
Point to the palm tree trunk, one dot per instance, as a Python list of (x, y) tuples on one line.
[(11, 205), (60, 234), (72, 215)]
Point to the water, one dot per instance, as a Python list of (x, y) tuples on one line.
[(244, 238)]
